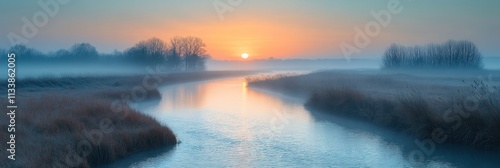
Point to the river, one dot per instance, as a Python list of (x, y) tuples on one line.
[(223, 123)]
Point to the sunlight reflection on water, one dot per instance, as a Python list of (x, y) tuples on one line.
[(223, 123)]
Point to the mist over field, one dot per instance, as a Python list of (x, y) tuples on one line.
[(249, 83), (105, 69)]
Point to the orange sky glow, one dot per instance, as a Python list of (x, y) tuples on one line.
[(261, 28)]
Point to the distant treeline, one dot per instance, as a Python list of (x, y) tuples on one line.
[(180, 53), (452, 54)]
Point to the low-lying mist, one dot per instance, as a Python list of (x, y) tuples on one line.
[(34, 70)]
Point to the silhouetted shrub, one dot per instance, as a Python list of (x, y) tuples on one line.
[(84, 51), (24, 53), (452, 54)]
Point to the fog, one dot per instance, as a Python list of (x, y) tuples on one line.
[(490, 63), (59, 69), (294, 64), (37, 70)]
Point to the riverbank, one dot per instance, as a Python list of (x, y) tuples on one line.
[(444, 107), (86, 121)]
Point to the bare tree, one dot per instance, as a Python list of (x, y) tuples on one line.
[(155, 47), (452, 54), (151, 50), (191, 50), (176, 52), (84, 51), (25, 53)]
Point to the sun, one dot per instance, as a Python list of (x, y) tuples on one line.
[(244, 55)]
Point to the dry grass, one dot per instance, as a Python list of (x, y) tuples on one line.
[(52, 125), (393, 101)]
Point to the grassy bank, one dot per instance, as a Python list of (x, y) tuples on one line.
[(464, 106), (86, 121)]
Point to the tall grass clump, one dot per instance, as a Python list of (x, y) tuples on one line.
[(269, 77), (415, 115), (285, 82), (54, 128), (451, 54), (418, 116), (468, 113)]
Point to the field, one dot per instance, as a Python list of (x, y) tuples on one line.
[(87, 121), (453, 107)]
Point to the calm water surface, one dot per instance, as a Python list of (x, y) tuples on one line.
[(223, 123)]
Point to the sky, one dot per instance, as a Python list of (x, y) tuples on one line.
[(262, 28)]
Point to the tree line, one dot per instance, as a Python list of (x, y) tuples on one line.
[(451, 54), (180, 53)]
